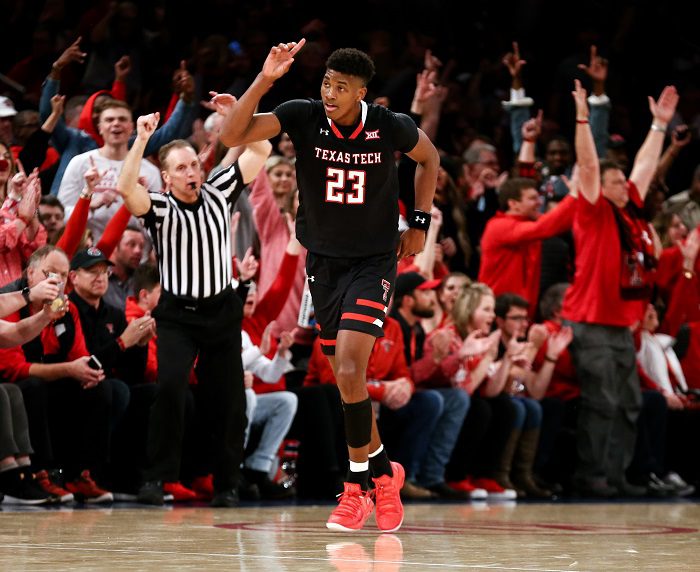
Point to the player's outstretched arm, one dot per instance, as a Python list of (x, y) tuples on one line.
[(241, 124)]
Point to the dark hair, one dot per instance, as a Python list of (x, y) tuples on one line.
[(146, 277), (608, 165), (506, 301), (512, 189), (454, 274), (552, 300), (351, 61), (168, 147), (559, 139), (51, 201)]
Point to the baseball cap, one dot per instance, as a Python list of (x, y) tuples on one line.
[(7, 108), (88, 258), (407, 282)]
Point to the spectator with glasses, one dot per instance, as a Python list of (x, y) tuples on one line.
[(71, 407), (518, 457)]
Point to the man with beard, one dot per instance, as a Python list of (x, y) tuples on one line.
[(126, 259), (414, 298)]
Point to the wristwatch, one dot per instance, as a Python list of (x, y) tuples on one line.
[(25, 295)]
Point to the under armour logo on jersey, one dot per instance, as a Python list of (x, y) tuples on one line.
[(371, 134), (324, 131), (312, 278), (421, 219)]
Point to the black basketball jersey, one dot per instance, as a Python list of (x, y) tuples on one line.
[(348, 184)]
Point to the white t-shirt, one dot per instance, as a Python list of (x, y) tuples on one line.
[(73, 183)]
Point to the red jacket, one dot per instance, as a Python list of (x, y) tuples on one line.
[(511, 250)]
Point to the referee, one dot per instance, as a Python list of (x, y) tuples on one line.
[(199, 315)]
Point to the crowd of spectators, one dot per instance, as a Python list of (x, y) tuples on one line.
[(487, 382)]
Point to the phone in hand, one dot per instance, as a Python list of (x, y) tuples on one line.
[(94, 363)]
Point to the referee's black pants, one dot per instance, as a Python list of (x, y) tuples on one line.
[(210, 331)]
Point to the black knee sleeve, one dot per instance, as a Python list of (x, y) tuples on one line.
[(358, 423)]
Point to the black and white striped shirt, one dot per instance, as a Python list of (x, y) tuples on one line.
[(193, 241)]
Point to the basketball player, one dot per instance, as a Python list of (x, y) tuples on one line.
[(347, 220)]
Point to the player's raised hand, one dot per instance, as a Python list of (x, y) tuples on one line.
[(280, 59)]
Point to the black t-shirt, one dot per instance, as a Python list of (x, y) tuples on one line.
[(348, 186)]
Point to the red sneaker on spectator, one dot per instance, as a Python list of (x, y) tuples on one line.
[(179, 491), (86, 490), (475, 493), (204, 487), (494, 490), (62, 495)]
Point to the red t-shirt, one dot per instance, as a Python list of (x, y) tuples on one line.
[(594, 297)]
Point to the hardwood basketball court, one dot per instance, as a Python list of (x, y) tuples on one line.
[(535, 537)]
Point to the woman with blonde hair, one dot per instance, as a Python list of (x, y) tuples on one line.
[(465, 353)]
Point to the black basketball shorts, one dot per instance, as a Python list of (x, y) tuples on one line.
[(350, 294)]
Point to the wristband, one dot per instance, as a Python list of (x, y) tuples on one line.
[(419, 220), (120, 343), (655, 127), (582, 121), (549, 359), (530, 139), (25, 295)]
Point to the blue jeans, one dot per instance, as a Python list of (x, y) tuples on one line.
[(444, 437), (275, 412), (529, 413), (406, 432)]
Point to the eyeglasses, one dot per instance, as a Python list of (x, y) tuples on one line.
[(518, 318)]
